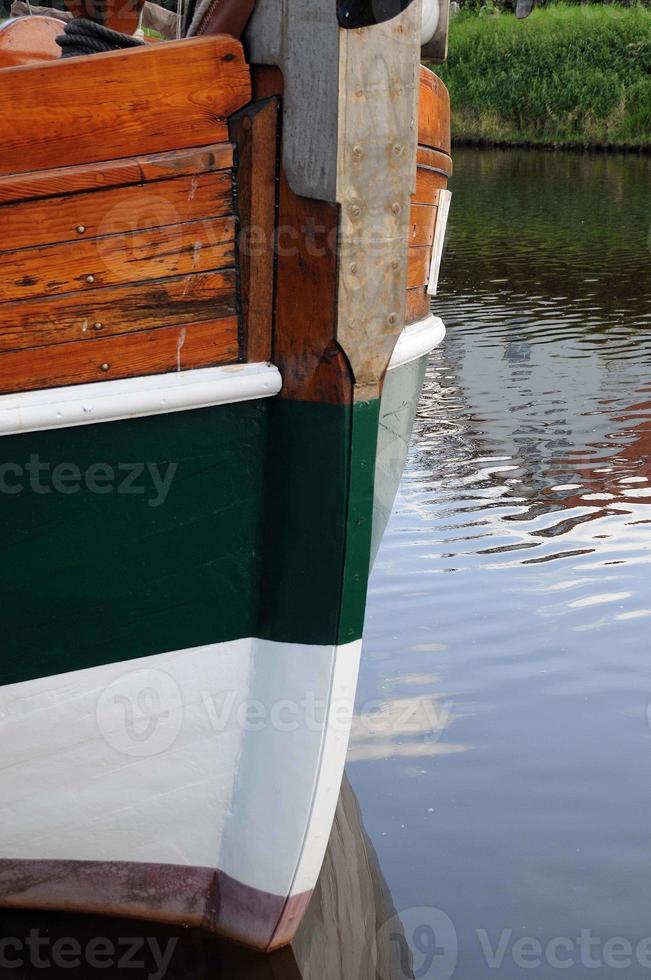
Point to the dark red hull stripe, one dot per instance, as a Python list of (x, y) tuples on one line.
[(202, 897)]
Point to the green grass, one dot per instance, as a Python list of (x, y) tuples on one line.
[(566, 75)]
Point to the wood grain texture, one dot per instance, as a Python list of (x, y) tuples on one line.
[(434, 160), (255, 132), (115, 173), (418, 264), (93, 214), (176, 250), (418, 304), (433, 112), (376, 161), (312, 365), (422, 220), (145, 100), (147, 352), (428, 182), (119, 309)]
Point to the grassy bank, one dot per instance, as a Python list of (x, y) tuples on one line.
[(566, 75)]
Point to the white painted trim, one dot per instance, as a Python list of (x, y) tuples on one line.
[(109, 401), (416, 340), (443, 202)]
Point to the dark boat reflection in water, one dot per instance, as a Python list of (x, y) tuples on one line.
[(350, 932)]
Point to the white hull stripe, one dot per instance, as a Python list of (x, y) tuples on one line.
[(191, 758), (109, 401), (417, 339)]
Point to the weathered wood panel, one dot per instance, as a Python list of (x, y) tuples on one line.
[(428, 182), (418, 303), (93, 214), (418, 264), (120, 309), (146, 100), (115, 173), (199, 246), (147, 352), (255, 131), (433, 112), (422, 220), (312, 364)]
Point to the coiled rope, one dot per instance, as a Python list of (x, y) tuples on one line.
[(86, 37)]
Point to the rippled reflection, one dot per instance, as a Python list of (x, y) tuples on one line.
[(514, 576)]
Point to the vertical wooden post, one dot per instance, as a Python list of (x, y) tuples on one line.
[(349, 138)]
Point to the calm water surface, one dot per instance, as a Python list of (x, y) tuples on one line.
[(503, 756)]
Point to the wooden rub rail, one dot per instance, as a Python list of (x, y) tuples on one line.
[(117, 225)]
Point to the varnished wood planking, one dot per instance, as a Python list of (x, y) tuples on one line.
[(145, 100), (175, 250), (147, 352), (422, 219), (418, 265), (115, 173), (255, 131), (115, 310), (76, 217), (428, 182), (433, 112), (313, 367), (418, 303)]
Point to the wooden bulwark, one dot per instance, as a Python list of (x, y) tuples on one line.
[(115, 173), (194, 298), (118, 220), (434, 167), (146, 352), (433, 112), (143, 100), (95, 214), (138, 257)]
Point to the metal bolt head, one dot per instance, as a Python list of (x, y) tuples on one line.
[(395, 264), (81, 229), (97, 326), (353, 268), (357, 152), (392, 319), (398, 149), (104, 367), (90, 279), (396, 208), (355, 210)]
